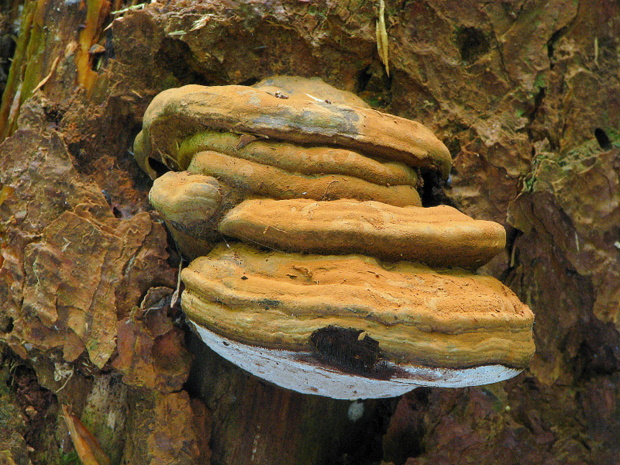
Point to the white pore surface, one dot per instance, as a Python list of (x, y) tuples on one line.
[(302, 373)]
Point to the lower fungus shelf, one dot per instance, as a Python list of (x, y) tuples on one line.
[(303, 372), (418, 316)]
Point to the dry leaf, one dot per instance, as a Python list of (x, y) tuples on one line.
[(382, 38), (86, 445)]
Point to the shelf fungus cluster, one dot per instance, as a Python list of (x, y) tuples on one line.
[(314, 265)]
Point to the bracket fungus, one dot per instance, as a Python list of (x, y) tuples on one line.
[(314, 265)]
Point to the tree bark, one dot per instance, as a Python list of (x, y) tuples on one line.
[(525, 95)]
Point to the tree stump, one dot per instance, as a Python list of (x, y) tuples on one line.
[(523, 95)]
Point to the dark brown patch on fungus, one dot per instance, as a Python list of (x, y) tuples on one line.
[(347, 348)]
